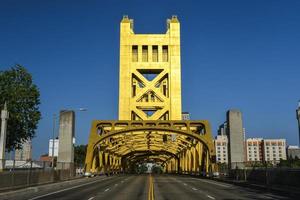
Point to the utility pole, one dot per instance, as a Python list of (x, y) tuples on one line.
[(298, 118), (4, 118)]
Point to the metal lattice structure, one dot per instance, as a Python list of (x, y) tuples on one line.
[(180, 146), (150, 128)]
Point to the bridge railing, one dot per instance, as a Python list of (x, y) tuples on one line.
[(284, 172), (24, 173)]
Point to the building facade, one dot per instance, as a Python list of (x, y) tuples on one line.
[(221, 145), (274, 149), (185, 116), (222, 130), (55, 145), (293, 151), (254, 149), (25, 153), (259, 149)]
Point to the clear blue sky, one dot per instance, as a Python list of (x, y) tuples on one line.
[(235, 54)]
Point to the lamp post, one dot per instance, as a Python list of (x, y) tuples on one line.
[(54, 126), (298, 118)]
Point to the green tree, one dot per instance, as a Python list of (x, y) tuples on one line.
[(79, 154), (157, 169), (23, 99)]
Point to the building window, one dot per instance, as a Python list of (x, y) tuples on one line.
[(155, 53), (165, 53), (145, 53), (134, 53)]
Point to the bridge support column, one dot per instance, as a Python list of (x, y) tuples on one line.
[(185, 162), (94, 164), (100, 162), (189, 161), (106, 165), (194, 159), (207, 163), (200, 152)]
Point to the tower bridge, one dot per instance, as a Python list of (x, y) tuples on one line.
[(150, 128)]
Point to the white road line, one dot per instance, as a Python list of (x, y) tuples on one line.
[(211, 182), (210, 197), (91, 198), (194, 188), (106, 189), (77, 186), (184, 184), (122, 181), (116, 184)]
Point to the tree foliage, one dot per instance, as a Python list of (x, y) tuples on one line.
[(23, 99), (290, 162), (157, 169), (79, 154)]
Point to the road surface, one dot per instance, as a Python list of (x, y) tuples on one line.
[(149, 187)]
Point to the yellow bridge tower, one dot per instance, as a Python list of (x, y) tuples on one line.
[(150, 74)]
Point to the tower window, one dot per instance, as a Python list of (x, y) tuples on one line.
[(145, 53), (165, 53), (134, 53), (155, 53)]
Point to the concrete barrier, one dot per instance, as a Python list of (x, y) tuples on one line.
[(15, 179)]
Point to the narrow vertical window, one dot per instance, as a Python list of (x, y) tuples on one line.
[(154, 53), (145, 53), (134, 53), (165, 52)]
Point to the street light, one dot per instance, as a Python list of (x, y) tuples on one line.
[(54, 123)]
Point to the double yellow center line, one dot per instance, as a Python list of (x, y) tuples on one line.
[(151, 188)]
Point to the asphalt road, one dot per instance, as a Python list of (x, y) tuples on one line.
[(146, 187)]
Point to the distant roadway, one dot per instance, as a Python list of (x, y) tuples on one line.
[(149, 187)]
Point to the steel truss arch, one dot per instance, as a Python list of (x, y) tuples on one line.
[(181, 146)]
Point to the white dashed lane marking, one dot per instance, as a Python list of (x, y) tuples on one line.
[(106, 190), (210, 197)]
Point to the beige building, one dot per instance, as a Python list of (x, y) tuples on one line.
[(274, 149), (259, 149), (221, 145), (150, 70), (185, 116), (254, 150), (25, 153)]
